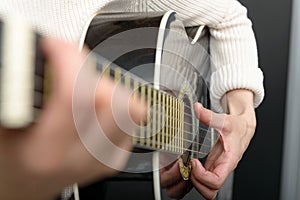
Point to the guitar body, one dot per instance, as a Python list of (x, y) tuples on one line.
[(158, 49)]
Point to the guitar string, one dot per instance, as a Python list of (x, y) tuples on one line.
[(204, 139), (173, 108), (189, 125), (173, 148), (183, 140), (133, 78), (178, 130), (176, 119), (175, 100), (146, 85), (185, 132), (182, 150), (175, 137), (191, 143), (186, 114)]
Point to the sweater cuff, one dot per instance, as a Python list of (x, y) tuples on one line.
[(235, 77)]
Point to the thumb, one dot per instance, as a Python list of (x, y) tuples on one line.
[(213, 120), (198, 171), (209, 118)]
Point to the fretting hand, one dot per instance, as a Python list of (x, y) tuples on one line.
[(38, 162)]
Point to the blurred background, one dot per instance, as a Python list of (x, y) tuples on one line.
[(258, 175)]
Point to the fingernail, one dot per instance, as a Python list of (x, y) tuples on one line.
[(197, 106)]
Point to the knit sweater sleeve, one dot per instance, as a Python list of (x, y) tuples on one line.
[(233, 47), (234, 56)]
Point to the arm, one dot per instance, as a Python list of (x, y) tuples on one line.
[(233, 49), (234, 57), (38, 162), (236, 130), (237, 81)]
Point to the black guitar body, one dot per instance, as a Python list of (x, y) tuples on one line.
[(157, 48)]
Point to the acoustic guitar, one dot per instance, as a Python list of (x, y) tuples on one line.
[(152, 54), (168, 66)]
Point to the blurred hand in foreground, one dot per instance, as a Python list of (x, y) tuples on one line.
[(36, 163)]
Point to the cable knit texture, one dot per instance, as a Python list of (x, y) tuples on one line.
[(232, 44)]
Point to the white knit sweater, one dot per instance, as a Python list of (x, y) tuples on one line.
[(232, 44)]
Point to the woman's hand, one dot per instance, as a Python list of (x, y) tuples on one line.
[(235, 130)]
